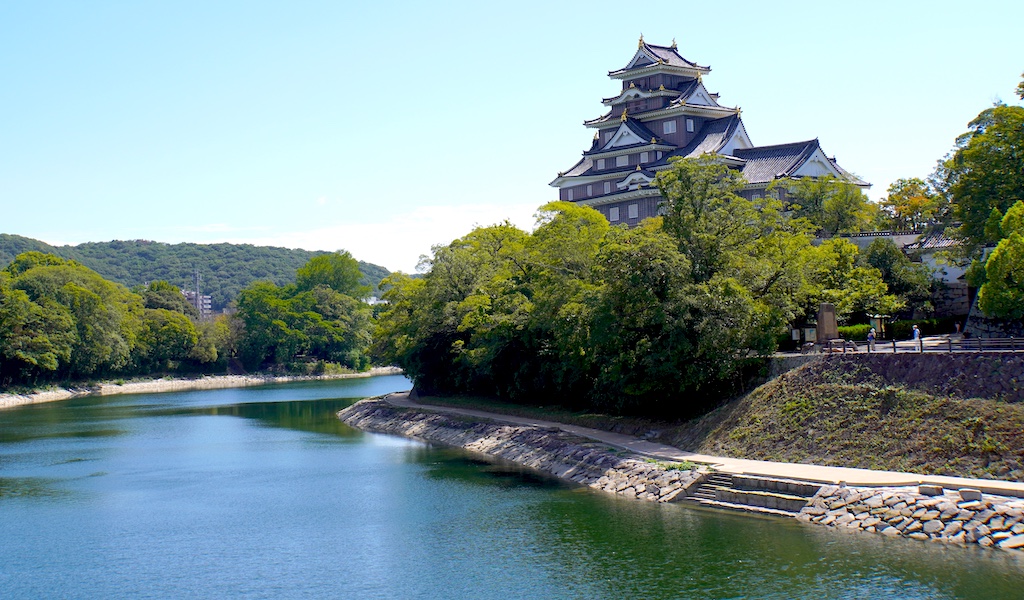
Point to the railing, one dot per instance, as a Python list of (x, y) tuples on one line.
[(939, 344)]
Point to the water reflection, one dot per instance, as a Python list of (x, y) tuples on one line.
[(264, 493)]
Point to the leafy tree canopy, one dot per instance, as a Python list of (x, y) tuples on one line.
[(984, 174), (833, 206)]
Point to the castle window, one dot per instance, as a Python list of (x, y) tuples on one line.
[(669, 127), (607, 187), (600, 164), (622, 161), (613, 213), (568, 195), (590, 190), (643, 157), (689, 125), (756, 197), (634, 211)]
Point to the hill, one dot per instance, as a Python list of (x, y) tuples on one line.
[(920, 414), (225, 268)]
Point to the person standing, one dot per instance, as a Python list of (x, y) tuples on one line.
[(871, 340), (917, 338)]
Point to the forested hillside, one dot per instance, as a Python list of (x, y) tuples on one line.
[(225, 268)]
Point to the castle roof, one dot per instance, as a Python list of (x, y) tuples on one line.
[(764, 164), (650, 56)]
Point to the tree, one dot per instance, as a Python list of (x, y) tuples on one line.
[(1002, 295), (106, 316), (704, 212), (33, 338), (984, 172), (909, 281), (833, 206), (161, 294), (835, 276), (338, 271), (911, 205), (166, 336)]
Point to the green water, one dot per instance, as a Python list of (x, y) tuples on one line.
[(263, 493)]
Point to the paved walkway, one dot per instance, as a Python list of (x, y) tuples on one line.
[(816, 473)]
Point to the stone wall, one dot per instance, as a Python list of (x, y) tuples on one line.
[(960, 374), (552, 451), (965, 517)]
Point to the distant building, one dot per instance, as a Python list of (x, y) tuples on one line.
[(204, 304), (664, 110)]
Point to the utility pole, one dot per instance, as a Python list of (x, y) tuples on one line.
[(197, 300)]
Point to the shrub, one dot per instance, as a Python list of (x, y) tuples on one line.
[(854, 332)]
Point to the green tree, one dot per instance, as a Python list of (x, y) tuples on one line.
[(166, 336), (338, 271), (833, 206), (909, 281), (107, 316), (911, 205), (161, 294), (984, 172), (34, 338), (704, 212), (1002, 295)]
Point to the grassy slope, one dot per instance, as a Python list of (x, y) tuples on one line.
[(848, 416), (838, 414)]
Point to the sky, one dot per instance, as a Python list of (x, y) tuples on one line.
[(386, 128)]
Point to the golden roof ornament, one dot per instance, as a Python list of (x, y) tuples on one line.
[(661, 88), (632, 85), (653, 140), (640, 44), (673, 46), (638, 167), (623, 117)]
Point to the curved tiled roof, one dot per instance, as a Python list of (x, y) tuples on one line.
[(768, 163), (711, 138), (637, 128)]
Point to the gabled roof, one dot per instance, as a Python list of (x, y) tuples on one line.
[(764, 164), (635, 127), (711, 138), (648, 55)]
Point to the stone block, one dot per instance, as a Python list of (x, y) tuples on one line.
[(919, 536), (965, 515), (933, 526), (970, 494), (996, 524), (874, 502), (953, 528), (914, 526), (891, 531), (930, 515), (985, 542), (1011, 543)]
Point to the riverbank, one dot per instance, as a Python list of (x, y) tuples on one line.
[(904, 505), (150, 386)]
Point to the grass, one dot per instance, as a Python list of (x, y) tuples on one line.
[(626, 425), (822, 414)]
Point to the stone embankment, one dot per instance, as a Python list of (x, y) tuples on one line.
[(553, 451), (923, 512)]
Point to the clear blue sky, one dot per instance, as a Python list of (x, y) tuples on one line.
[(383, 128)]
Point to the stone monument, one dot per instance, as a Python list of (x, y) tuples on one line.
[(828, 328)]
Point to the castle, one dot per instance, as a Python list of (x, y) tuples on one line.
[(664, 110)]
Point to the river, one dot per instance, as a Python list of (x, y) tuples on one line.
[(263, 493)]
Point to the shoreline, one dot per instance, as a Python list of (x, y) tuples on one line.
[(636, 469), (153, 386)]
